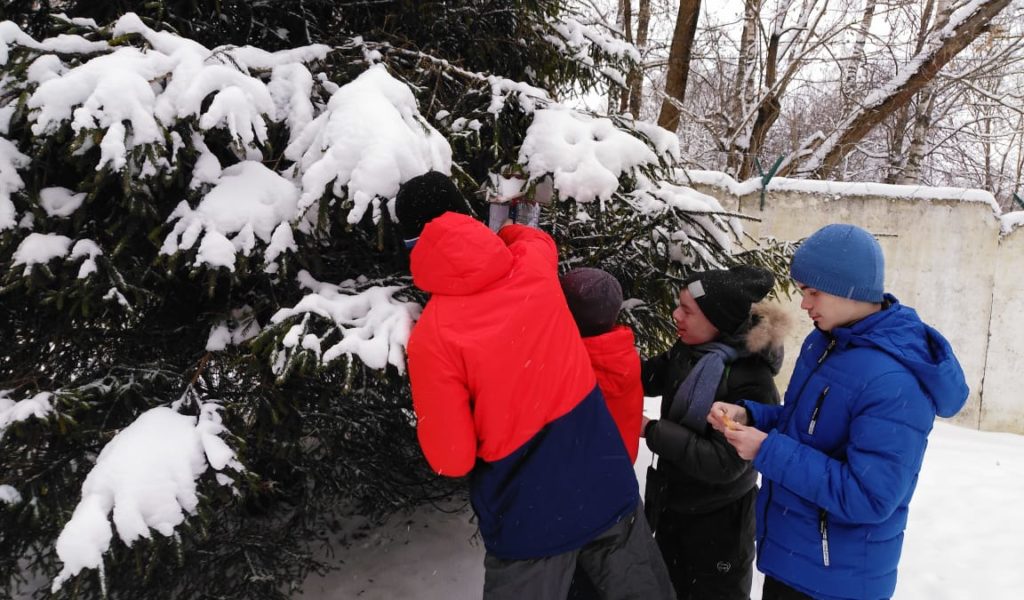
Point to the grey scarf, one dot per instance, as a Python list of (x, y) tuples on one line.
[(692, 401)]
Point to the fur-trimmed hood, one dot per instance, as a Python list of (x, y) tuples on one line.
[(769, 326)]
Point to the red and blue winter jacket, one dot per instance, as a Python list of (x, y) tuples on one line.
[(842, 456), (503, 390)]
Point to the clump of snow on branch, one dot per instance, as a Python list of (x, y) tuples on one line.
[(584, 154), (89, 250), (147, 476), (153, 88), (372, 323), (10, 182), (707, 218), (370, 139), (249, 201), (40, 248), (60, 202), (241, 327), (11, 412), (9, 495), (580, 40)]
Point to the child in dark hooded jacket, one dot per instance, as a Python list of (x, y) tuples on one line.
[(700, 499)]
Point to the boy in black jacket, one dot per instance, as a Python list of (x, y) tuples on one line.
[(702, 504)]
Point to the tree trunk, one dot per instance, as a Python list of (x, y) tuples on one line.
[(616, 98), (626, 10), (679, 62), (926, 100), (825, 154), (636, 76), (768, 111), (857, 54), (915, 153), (743, 86)]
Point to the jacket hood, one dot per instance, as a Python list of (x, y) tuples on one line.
[(900, 333), (456, 255), (767, 334)]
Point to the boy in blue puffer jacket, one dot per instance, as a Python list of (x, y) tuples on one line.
[(839, 460)]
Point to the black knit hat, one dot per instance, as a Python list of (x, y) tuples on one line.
[(422, 199), (725, 296), (594, 297)]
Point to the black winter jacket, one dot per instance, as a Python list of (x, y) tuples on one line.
[(702, 469)]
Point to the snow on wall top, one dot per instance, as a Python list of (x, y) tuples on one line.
[(1011, 221), (840, 188)]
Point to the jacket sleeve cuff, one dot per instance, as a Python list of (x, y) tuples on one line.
[(649, 433)]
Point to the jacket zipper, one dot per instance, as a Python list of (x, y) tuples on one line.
[(823, 528), (824, 355), (823, 524), (817, 409)]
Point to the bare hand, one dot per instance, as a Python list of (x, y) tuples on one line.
[(746, 440), (724, 416)]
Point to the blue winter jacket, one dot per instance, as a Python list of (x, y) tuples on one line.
[(843, 453)]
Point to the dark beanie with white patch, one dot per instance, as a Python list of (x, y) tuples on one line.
[(726, 295), (842, 260), (421, 200), (594, 297)]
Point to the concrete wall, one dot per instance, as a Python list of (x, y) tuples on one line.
[(1002, 407), (944, 257)]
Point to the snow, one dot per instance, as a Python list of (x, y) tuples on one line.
[(90, 251), (358, 148), (1011, 221), (10, 182), (40, 248), (249, 200), (9, 495), (370, 139), (928, 53), (964, 538), (146, 475), (11, 412), (374, 325), (241, 327), (585, 155), (59, 201), (839, 188)]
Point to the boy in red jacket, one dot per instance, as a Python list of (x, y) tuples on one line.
[(595, 299), (504, 392)]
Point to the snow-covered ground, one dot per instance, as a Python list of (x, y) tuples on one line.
[(965, 539)]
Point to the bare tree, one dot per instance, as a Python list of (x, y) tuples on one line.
[(822, 154)]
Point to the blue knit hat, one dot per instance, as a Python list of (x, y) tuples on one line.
[(842, 260)]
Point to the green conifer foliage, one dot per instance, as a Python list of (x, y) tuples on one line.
[(124, 303)]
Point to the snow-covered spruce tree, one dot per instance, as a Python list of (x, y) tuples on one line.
[(203, 303)]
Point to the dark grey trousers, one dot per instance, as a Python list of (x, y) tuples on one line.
[(623, 563)]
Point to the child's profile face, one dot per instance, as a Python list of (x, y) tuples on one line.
[(692, 326)]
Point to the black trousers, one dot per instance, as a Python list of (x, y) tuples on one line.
[(710, 556), (776, 590), (622, 564)]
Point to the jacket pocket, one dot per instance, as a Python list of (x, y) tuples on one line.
[(817, 411)]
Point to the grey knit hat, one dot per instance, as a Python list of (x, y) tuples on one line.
[(594, 297)]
